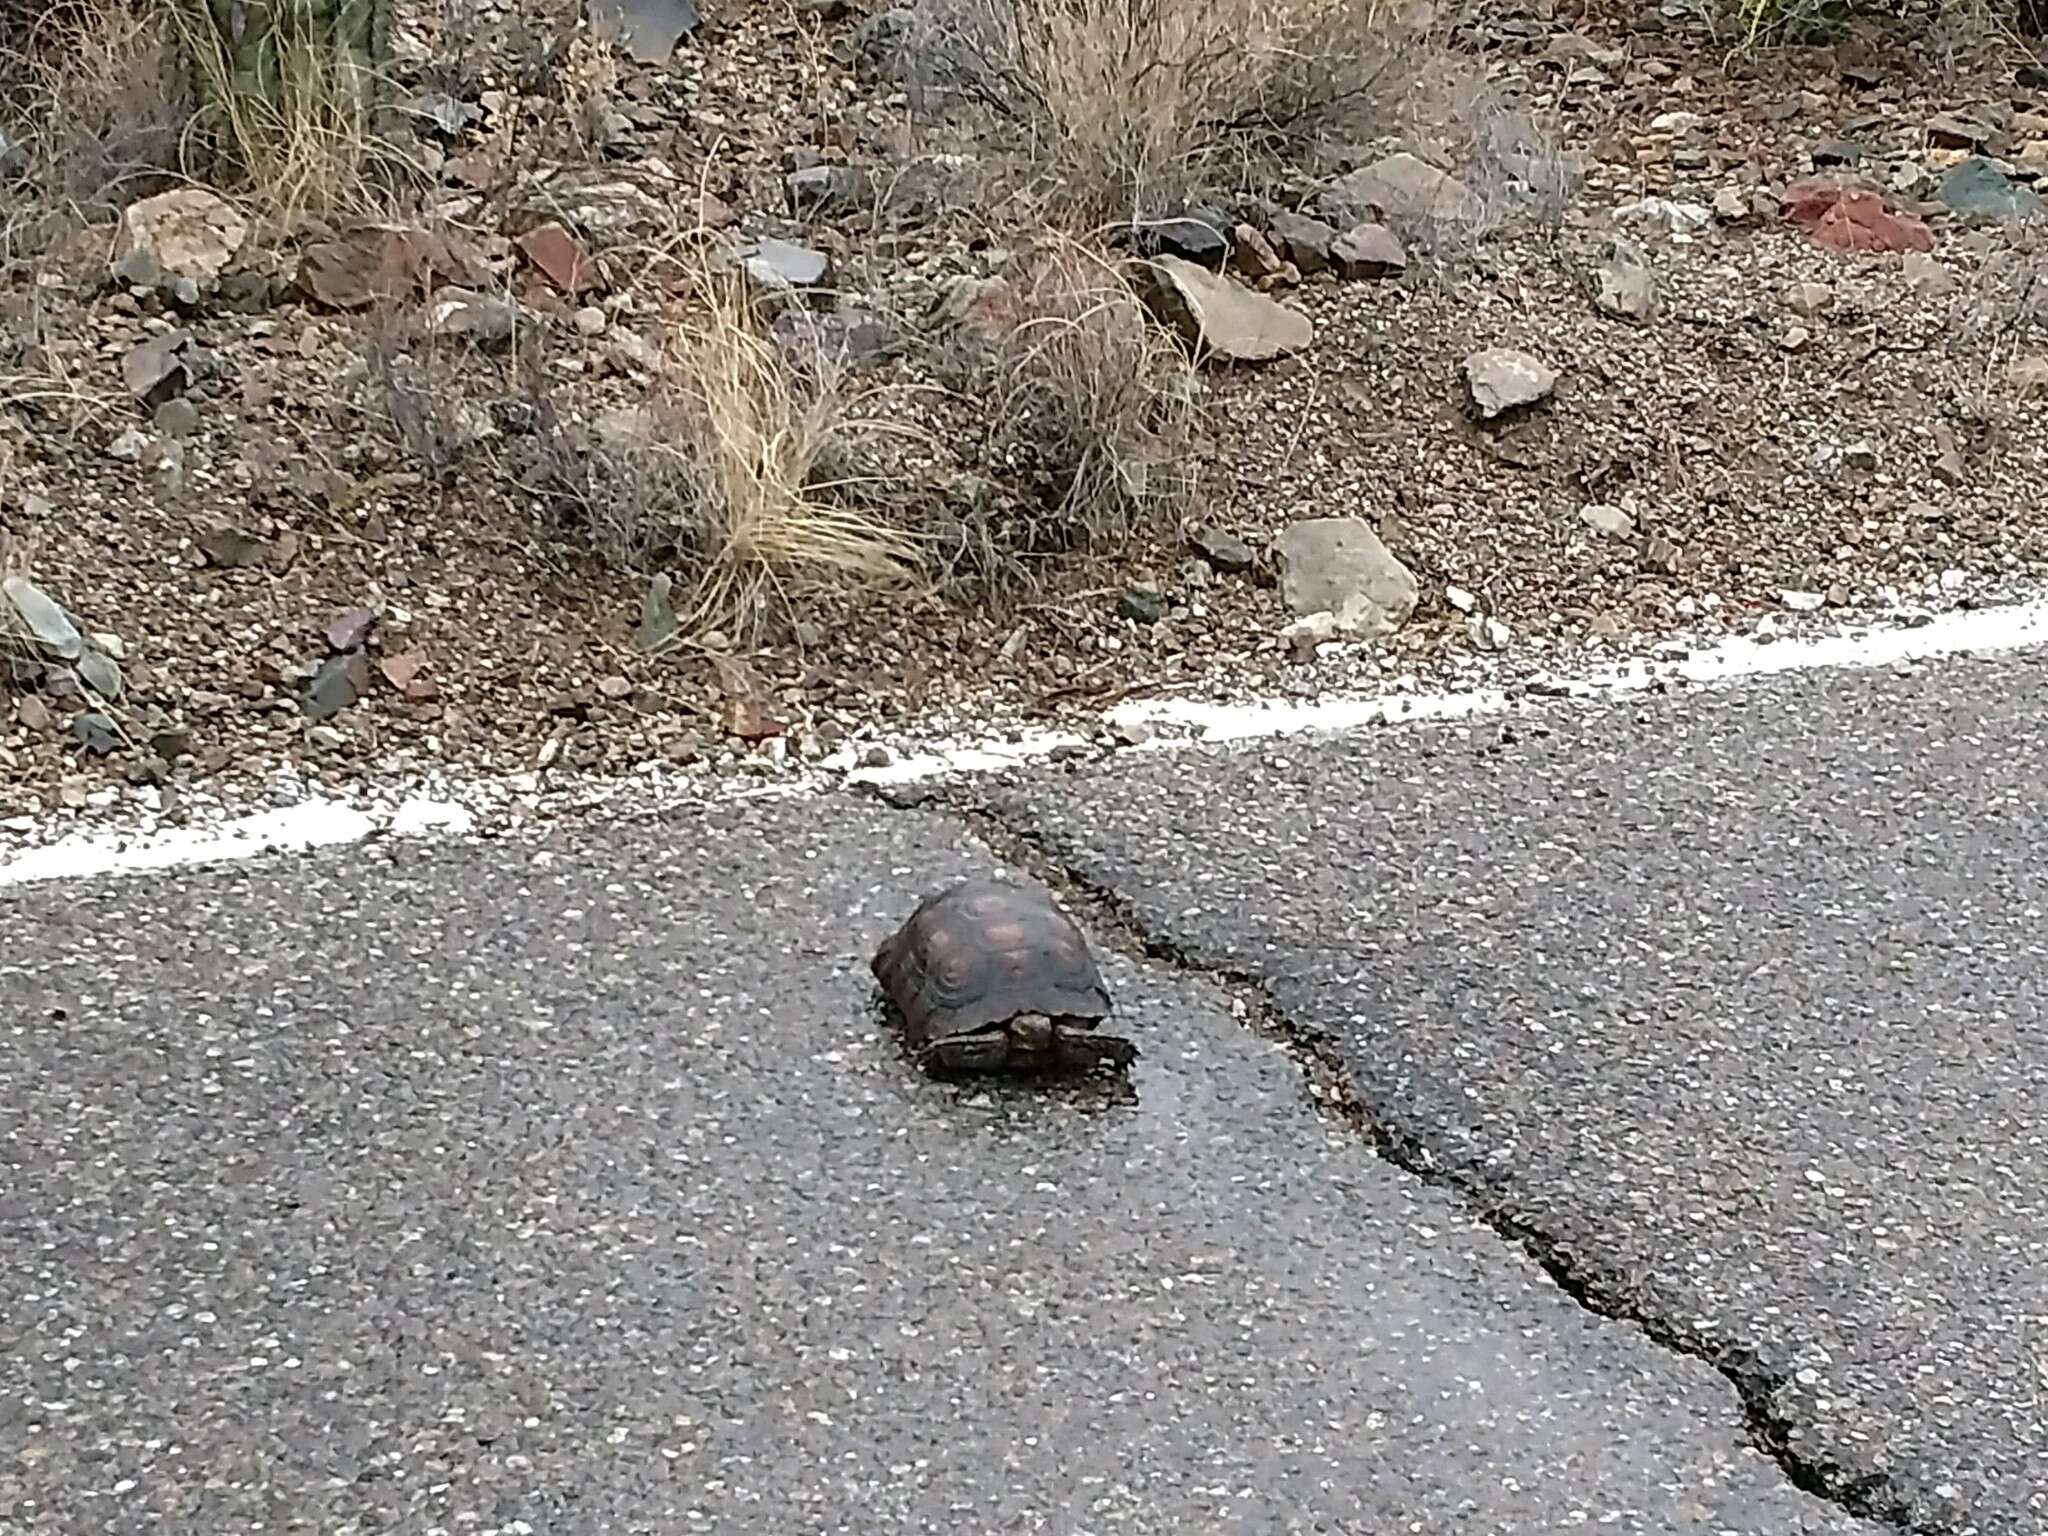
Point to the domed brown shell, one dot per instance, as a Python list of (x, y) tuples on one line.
[(979, 953)]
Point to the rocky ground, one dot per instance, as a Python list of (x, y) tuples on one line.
[(1605, 337)]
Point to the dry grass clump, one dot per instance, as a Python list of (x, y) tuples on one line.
[(1087, 408), (736, 465), (1753, 25), (1133, 106), (105, 101), (86, 119), (288, 114)]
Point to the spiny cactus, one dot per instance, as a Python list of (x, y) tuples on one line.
[(264, 80)]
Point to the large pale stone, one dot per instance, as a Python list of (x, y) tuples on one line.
[(1223, 318)]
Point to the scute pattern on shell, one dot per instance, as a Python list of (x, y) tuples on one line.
[(982, 952)]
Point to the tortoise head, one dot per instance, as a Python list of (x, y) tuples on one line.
[(1031, 1034)]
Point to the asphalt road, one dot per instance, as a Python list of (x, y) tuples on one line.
[(578, 1188), (1735, 1004)]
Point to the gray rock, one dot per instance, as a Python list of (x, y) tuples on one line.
[(233, 548), (850, 337), (336, 684), (1222, 318), (1368, 250), (779, 267), (628, 350), (1502, 379), (1610, 521), (1730, 206), (1305, 241), (97, 733), (1488, 633), (461, 312), (647, 29), (100, 672), (187, 232), (1224, 551), (129, 446), (159, 368), (49, 626), (1623, 284), (1201, 235), (1675, 218), (819, 189), (349, 629), (1959, 130), (1404, 188), (34, 715), (138, 268), (175, 418), (1338, 566), (1142, 605), (1980, 188), (1808, 299)]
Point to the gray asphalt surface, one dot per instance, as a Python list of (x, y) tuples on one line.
[(578, 1188), (1740, 1000)]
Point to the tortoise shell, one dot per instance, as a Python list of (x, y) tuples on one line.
[(982, 952)]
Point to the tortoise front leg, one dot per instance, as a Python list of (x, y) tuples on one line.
[(1084, 1048), (987, 1051)]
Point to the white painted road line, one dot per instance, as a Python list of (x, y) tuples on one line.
[(451, 808)]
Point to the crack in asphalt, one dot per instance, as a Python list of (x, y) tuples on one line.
[(1866, 1494)]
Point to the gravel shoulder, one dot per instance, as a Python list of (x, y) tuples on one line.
[(510, 1186)]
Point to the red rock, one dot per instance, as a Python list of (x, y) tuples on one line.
[(554, 251), (1807, 200), (408, 673), (1852, 216), (750, 721), (376, 261)]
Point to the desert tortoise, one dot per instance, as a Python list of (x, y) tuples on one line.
[(990, 976)]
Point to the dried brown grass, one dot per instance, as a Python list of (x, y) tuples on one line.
[(767, 457), (731, 464), (1134, 106), (1087, 410), (303, 143), (95, 112), (86, 116)]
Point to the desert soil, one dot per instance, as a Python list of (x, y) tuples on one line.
[(1793, 430)]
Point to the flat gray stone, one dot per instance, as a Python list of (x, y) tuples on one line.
[(1368, 250), (648, 30), (1979, 188), (780, 267), (1503, 379), (42, 618), (1221, 318), (1406, 189), (1303, 240), (1624, 284), (1339, 566)]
